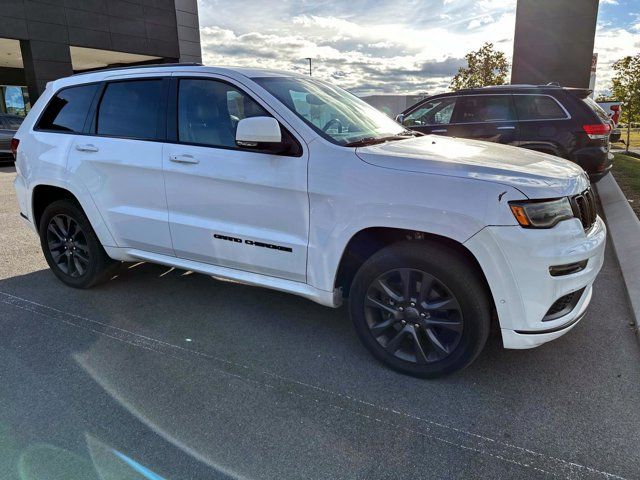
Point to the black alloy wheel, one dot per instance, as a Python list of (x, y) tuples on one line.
[(72, 248), (68, 245), (413, 315), (421, 307)]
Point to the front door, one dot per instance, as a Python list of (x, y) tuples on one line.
[(229, 206), (433, 116)]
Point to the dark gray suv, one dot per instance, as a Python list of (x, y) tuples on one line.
[(9, 124), (560, 121)]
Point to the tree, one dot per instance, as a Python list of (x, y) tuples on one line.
[(625, 86), (484, 67)]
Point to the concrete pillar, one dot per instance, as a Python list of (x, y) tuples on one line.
[(44, 61), (188, 31), (554, 42)]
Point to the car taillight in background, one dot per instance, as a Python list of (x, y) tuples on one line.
[(14, 147), (615, 116), (597, 130)]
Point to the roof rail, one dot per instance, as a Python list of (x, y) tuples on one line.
[(146, 65)]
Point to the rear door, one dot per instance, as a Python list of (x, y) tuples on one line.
[(433, 116), (119, 160), (490, 118), (544, 123)]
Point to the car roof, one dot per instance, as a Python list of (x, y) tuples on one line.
[(104, 74), (515, 88)]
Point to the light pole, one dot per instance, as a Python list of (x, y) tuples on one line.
[(309, 58)]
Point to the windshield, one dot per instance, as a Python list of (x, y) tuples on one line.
[(337, 115)]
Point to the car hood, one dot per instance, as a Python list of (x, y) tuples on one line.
[(537, 175)]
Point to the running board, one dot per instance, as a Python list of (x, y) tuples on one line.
[(329, 299)]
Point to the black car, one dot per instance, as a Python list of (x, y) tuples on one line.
[(557, 120), (8, 126)]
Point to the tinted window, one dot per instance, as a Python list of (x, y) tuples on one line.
[(484, 108), (209, 112), (433, 112), (68, 109), (538, 107), (130, 109), (597, 109)]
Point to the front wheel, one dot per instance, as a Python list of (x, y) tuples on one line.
[(421, 308)]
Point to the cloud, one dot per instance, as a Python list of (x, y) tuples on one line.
[(376, 46)]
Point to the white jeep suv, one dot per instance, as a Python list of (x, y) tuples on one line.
[(287, 182)]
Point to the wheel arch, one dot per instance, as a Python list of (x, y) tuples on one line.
[(544, 147), (368, 241), (43, 194)]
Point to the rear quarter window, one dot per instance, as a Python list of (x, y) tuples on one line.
[(68, 109), (538, 107), (597, 109)]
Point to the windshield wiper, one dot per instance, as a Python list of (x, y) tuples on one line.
[(363, 142)]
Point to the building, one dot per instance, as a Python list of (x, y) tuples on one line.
[(41, 40), (554, 42)]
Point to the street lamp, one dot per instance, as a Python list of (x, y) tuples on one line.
[(309, 58)]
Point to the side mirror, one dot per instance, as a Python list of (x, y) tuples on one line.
[(400, 118), (262, 133)]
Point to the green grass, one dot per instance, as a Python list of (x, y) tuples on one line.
[(626, 170), (634, 138)]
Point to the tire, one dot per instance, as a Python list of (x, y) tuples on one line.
[(71, 247), (453, 317)]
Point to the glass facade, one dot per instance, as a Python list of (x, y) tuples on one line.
[(14, 100)]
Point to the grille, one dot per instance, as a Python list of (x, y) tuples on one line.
[(584, 208), (563, 305)]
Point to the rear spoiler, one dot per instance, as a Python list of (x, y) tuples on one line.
[(579, 92)]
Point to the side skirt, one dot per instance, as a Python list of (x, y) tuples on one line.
[(323, 297)]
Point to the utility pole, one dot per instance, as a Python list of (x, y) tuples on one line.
[(309, 58)]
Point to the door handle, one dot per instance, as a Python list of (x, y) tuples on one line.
[(508, 127), (87, 148), (440, 130), (183, 159)]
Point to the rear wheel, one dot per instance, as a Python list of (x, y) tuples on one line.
[(71, 247), (421, 308)]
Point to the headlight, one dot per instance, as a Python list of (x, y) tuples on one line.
[(541, 214)]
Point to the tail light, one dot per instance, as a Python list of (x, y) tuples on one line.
[(597, 130), (616, 114), (14, 147)]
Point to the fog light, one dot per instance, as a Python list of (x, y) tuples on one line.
[(568, 269)]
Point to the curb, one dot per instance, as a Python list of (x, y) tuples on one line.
[(624, 230)]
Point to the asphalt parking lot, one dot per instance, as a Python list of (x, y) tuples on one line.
[(163, 372)]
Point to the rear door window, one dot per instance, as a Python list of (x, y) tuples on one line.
[(484, 109), (538, 107), (130, 109), (68, 109)]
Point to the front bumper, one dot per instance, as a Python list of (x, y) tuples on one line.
[(516, 264)]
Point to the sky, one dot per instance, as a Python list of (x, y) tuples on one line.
[(379, 46)]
